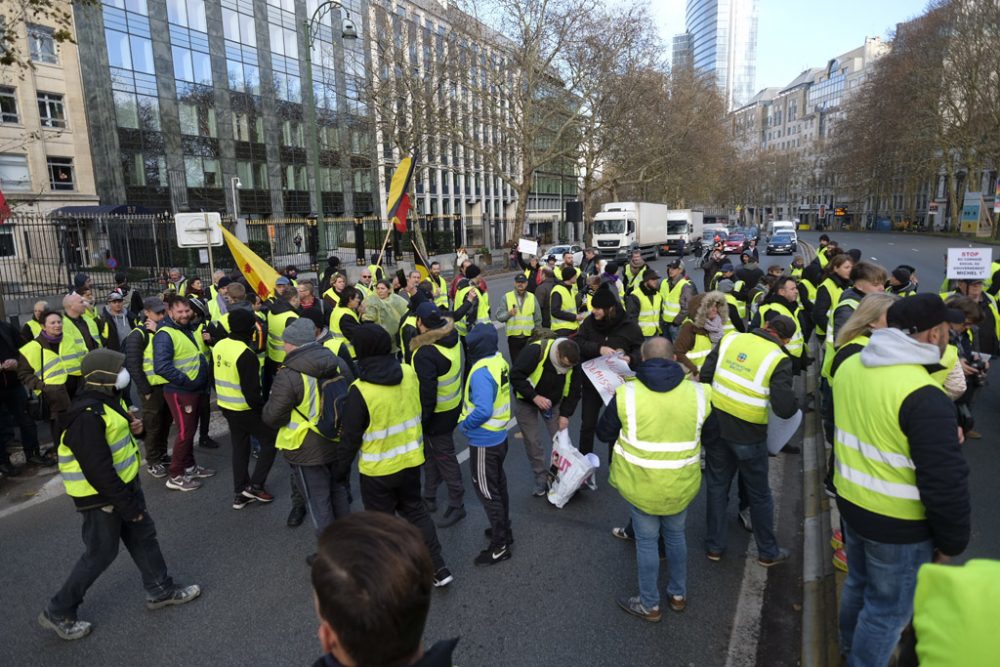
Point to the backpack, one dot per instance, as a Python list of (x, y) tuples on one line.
[(332, 394)]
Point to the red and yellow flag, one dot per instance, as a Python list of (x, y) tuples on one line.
[(258, 273)]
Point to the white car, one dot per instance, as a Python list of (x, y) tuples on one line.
[(559, 250)]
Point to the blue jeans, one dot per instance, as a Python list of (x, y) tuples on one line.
[(722, 461), (877, 600), (647, 530)]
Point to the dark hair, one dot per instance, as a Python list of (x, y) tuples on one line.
[(373, 580), (570, 351)]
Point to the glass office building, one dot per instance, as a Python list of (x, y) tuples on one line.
[(723, 43)]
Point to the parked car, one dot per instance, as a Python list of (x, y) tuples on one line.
[(736, 243), (781, 244), (559, 250)]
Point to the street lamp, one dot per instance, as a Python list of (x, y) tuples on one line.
[(348, 31), (236, 183)]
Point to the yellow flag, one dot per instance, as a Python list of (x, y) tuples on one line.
[(259, 274)]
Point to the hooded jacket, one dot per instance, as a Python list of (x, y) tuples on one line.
[(287, 391), (659, 375), (550, 384), (481, 343), (927, 417), (430, 365)]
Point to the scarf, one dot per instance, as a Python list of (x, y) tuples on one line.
[(714, 329)]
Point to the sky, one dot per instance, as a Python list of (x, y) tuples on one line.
[(794, 35)]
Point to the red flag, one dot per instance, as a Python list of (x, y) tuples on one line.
[(399, 220), (4, 209)]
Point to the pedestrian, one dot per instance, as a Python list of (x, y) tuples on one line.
[(14, 398), (385, 427), (99, 464), (699, 335), (901, 477), (675, 296), (564, 310), (750, 375), (645, 304), (116, 322), (155, 412), (485, 413), (372, 582), (238, 392), (437, 361), (294, 408), (33, 326), (43, 367), (655, 423), (541, 376), (520, 314), (177, 358)]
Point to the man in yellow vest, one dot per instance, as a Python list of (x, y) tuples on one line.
[(655, 423), (645, 304), (564, 311), (385, 432), (139, 362), (238, 393), (437, 361), (99, 464), (751, 375), (675, 292), (901, 476), (485, 413), (521, 314), (542, 379)]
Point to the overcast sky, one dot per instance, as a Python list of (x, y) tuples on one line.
[(794, 35)]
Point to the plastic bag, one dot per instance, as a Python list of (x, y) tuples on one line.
[(570, 470)]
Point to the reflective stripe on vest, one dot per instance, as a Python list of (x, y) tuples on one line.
[(449, 386), (536, 374), (336, 332), (671, 298), (393, 440), (660, 476), (275, 327), (124, 456), (873, 465), (304, 417), (523, 323), (152, 378), (498, 370), (741, 386), (229, 393), (187, 356), (649, 312), (568, 304), (797, 342)]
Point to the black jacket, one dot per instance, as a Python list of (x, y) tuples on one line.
[(438, 655), (384, 370), (550, 384), (430, 365)]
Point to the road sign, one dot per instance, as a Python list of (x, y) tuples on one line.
[(198, 230), (969, 263)]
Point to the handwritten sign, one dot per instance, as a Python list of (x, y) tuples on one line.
[(607, 374), (969, 263), (527, 246)]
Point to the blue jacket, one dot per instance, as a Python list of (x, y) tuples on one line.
[(163, 361), (481, 343)]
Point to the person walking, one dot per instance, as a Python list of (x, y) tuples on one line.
[(177, 358), (750, 373), (901, 476), (385, 427), (541, 377), (238, 392), (485, 413), (99, 464), (521, 315), (655, 423)]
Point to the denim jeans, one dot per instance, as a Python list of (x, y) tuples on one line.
[(648, 529), (722, 461), (877, 600)]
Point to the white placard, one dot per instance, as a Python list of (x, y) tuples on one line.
[(969, 263), (527, 246), (607, 374), (780, 431)]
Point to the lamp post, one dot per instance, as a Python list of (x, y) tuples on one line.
[(348, 31)]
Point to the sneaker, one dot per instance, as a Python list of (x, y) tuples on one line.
[(443, 577), (451, 516), (837, 541), (157, 470), (296, 516), (180, 595), (183, 483), (198, 472), (257, 494), (714, 556), (208, 443), (241, 501), (678, 603), (840, 560), (634, 606), (510, 534), (622, 533), (67, 629), (744, 518), (493, 555), (783, 555)]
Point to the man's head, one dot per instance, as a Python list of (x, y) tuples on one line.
[(435, 269), (521, 283), (74, 305), (154, 308), (925, 318), (175, 274), (372, 582), (39, 308), (116, 303), (299, 332), (179, 309), (304, 289), (868, 278), (675, 269), (657, 348)]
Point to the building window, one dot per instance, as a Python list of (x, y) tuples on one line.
[(14, 174), (50, 110), (61, 173), (42, 44), (8, 105)]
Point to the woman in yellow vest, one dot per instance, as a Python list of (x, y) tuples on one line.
[(41, 367), (697, 337)]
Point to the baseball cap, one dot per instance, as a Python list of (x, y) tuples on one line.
[(154, 303), (921, 312)]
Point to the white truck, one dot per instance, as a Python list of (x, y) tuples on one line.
[(621, 227), (682, 225)]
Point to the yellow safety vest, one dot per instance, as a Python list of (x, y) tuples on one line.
[(449, 385), (522, 324), (657, 461), (305, 416), (482, 308), (152, 378), (49, 366), (536, 374), (649, 312), (336, 333), (671, 298), (797, 343), (834, 291), (187, 356), (873, 465), (275, 327), (498, 370), (229, 392), (741, 386), (568, 304), (393, 439), (124, 454), (440, 291)]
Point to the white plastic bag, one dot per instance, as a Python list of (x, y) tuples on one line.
[(569, 470)]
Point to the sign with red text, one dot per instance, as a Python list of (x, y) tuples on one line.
[(969, 263)]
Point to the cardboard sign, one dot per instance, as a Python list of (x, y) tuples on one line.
[(607, 374), (969, 263), (527, 246)]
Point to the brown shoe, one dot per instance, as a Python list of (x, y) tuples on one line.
[(677, 602)]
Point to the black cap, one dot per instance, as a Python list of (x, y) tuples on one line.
[(921, 312)]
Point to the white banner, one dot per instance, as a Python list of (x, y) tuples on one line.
[(969, 263), (607, 374), (527, 246)]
